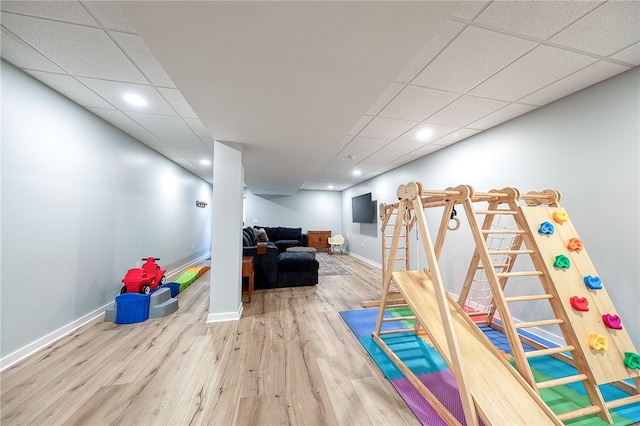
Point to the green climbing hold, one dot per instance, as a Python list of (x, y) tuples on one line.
[(562, 261)]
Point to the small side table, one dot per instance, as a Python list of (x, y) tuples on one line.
[(247, 272)]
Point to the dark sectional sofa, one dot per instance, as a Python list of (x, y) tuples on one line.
[(266, 255)]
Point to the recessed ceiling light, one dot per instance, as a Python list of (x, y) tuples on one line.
[(134, 99), (330, 187), (424, 134), (357, 172), (205, 162)]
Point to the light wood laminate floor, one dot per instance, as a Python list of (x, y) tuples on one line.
[(290, 359)]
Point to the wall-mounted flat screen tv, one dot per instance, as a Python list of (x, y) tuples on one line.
[(362, 209)]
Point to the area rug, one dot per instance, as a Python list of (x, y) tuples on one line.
[(422, 358), (328, 266)]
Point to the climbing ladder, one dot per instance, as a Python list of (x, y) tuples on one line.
[(483, 376), (389, 216), (526, 248)]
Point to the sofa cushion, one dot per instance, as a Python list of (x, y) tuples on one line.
[(272, 233), (297, 262), (290, 233), (250, 237)]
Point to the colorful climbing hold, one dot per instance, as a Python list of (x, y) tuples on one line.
[(598, 342), (579, 303), (546, 228), (612, 321), (560, 216), (632, 360), (594, 283), (562, 261), (575, 244)]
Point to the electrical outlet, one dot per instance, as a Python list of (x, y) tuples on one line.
[(193, 246), (362, 245)]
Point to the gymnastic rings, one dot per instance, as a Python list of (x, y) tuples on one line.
[(454, 213)]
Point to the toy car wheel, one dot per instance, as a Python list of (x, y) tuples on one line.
[(123, 290), (145, 289), (162, 280)]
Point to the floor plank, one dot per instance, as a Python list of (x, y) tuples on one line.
[(289, 360)]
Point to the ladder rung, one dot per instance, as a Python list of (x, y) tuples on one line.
[(549, 351), (391, 236), (504, 265), (528, 298), (503, 231), (496, 212), (398, 319), (623, 401), (562, 381), (539, 323), (401, 330), (399, 247), (510, 251), (579, 413), (518, 274)]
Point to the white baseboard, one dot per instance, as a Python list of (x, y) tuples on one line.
[(225, 316), (367, 261), (45, 341)]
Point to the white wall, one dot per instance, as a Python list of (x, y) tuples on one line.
[(81, 203), (585, 145), (309, 210)]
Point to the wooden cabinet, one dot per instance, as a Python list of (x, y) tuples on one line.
[(319, 239)]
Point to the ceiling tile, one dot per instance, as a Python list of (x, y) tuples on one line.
[(396, 149), (368, 145), (428, 149), (194, 153), (147, 138), (71, 88), (165, 150), (577, 81), (470, 9), (538, 19), (417, 103), (381, 157), (140, 54), (114, 91), (178, 102), (613, 26), (162, 124), (367, 166), (63, 42), (434, 46), (68, 11), (24, 56), (472, 57), (179, 141), (386, 128), (117, 118), (537, 69), (437, 131), (109, 15), (197, 127), (386, 97), (630, 55), (362, 122), (465, 110), (455, 137), (500, 116), (404, 159)]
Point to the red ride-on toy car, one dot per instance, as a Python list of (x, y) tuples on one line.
[(144, 279)]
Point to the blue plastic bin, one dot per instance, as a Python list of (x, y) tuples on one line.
[(131, 308)]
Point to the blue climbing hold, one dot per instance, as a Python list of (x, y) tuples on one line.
[(594, 283), (546, 228)]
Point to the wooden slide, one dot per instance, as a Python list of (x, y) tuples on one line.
[(500, 394)]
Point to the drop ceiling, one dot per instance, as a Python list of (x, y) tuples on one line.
[(316, 90)]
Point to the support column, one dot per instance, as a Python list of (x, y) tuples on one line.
[(225, 299)]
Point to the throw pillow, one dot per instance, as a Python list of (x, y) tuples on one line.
[(261, 235)]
